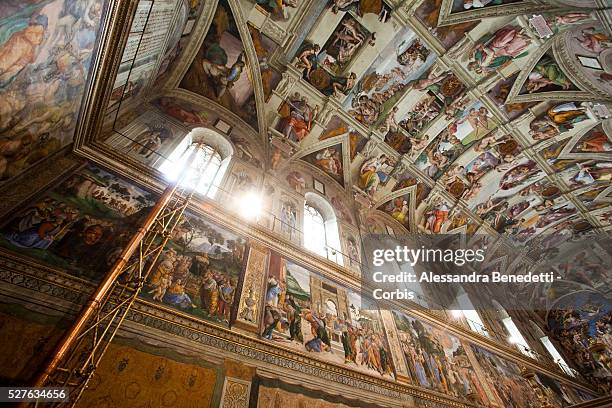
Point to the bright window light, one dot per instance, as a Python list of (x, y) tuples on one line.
[(517, 338), (250, 205), (314, 231), (204, 173), (320, 236), (470, 313), (556, 355)]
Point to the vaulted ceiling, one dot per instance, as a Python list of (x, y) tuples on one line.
[(480, 109)]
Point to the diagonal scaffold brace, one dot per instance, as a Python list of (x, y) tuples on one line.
[(79, 352)]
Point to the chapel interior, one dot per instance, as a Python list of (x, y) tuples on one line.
[(189, 190)]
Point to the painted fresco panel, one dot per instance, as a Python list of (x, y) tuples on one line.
[(81, 225), (505, 380), (219, 70), (45, 55), (437, 359), (308, 313)]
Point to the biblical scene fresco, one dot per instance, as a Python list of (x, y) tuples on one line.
[(557, 119), (497, 50), (264, 47), (330, 161), (45, 56), (499, 93), (437, 360), (199, 270), (546, 76), (581, 267), (404, 59), (561, 394), (279, 10), (504, 378), (375, 173), (589, 43), (80, 226), (363, 7), (428, 13), (308, 313), (590, 196), (417, 119), (469, 129), (407, 179), (595, 143), (581, 324), (464, 5), (510, 180), (345, 42), (219, 70), (187, 113), (579, 169), (401, 208)]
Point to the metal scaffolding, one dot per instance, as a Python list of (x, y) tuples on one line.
[(77, 355)]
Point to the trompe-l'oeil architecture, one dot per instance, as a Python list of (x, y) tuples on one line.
[(189, 188)]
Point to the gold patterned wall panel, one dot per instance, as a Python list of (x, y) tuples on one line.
[(25, 345), (131, 378), (276, 397)]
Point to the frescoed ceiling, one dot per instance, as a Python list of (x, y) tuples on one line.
[(494, 112)]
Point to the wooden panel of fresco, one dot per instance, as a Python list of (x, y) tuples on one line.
[(438, 360), (307, 313), (45, 56)]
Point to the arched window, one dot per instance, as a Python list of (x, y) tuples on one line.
[(550, 347), (206, 171), (466, 308), (515, 334), (320, 228)]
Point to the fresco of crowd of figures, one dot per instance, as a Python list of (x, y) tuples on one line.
[(81, 225)]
